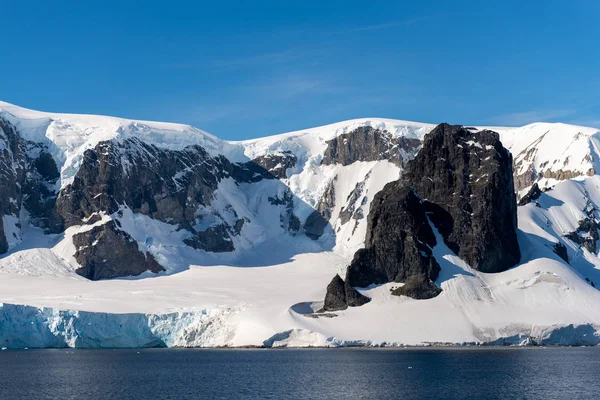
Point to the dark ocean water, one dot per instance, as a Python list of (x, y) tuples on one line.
[(529, 373)]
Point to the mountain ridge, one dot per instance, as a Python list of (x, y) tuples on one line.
[(283, 214)]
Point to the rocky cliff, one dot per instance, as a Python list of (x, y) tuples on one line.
[(468, 177), (461, 183), (370, 144), (28, 177), (176, 187)]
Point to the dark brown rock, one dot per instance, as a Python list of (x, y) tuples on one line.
[(418, 287), (107, 252), (215, 239), (561, 251)]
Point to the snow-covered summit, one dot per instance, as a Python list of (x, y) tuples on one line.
[(542, 151), (551, 152), (314, 140), (69, 135)]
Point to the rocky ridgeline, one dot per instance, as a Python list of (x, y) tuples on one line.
[(456, 180), (173, 186), (167, 185), (361, 144), (277, 164), (370, 144), (561, 168), (461, 182), (176, 187)]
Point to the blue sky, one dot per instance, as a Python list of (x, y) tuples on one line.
[(255, 68)]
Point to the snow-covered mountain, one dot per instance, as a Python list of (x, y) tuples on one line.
[(233, 243)]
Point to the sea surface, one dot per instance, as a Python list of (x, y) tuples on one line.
[(503, 373)]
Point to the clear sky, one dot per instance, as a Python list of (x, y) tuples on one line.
[(255, 68)]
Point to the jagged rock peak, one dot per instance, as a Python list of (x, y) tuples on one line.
[(340, 295), (468, 177), (462, 182)]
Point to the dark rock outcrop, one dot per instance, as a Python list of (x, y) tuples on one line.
[(418, 287), (28, 177), (215, 239), (467, 177), (587, 235), (317, 221), (166, 185), (173, 186), (106, 252), (289, 221), (277, 164), (462, 182), (369, 144), (348, 211), (399, 240), (533, 194), (340, 295), (561, 251), (335, 299)]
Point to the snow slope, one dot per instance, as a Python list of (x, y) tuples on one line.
[(263, 294)]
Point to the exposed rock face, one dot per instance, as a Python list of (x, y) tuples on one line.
[(173, 186), (533, 194), (340, 295), (317, 221), (352, 210), (215, 239), (399, 240), (462, 182), (561, 251), (277, 164), (370, 144), (335, 299), (289, 221), (28, 177), (167, 185), (525, 179), (469, 179), (527, 171), (418, 287), (587, 235), (107, 252)]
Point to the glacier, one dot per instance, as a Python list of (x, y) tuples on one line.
[(27, 327), (33, 327)]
